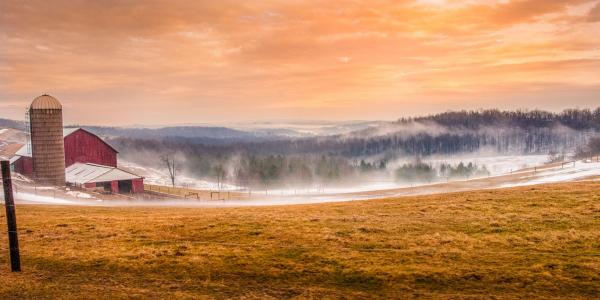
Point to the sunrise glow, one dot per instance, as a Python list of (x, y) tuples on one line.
[(228, 61)]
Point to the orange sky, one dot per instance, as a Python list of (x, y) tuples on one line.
[(169, 62)]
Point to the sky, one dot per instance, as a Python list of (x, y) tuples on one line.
[(174, 62)]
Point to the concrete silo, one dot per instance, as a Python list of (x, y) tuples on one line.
[(47, 143)]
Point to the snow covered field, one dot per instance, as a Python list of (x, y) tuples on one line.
[(570, 172), (161, 177), (496, 164), (369, 190), (33, 198)]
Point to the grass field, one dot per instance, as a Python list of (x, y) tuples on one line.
[(532, 242)]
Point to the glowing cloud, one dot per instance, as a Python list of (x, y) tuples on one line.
[(206, 61)]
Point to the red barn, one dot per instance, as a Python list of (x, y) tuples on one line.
[(82, 146), (86, 154)]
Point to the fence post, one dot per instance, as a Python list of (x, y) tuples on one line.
[(11, 218)]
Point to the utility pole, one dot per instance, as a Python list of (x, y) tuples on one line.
[(11, 218)]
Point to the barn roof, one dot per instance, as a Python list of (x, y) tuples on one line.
[(10, 149), (45, 102), (80, 173), (13, 159), (23, 151), (69, 131)]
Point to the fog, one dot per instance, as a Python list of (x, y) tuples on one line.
[(572, 171), (370, 180), (382, 156), (579, 170)]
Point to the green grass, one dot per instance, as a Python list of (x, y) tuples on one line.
[(532, 242)]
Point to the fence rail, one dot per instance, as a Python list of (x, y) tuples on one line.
[(189, 193)]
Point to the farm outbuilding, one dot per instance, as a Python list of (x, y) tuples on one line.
[(104, 178), (22, 162)]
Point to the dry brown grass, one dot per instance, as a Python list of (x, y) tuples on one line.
[(534, 242)]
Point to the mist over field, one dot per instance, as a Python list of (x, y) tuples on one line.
[(353, 156), (438, 148)]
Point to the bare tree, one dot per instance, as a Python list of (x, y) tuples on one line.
[(220, 174), (169, 161)]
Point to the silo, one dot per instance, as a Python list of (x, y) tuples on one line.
[(47, 143)]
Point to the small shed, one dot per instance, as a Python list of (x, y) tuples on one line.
[(105, 178), (22, 161)]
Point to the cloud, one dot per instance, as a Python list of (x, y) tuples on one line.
[(594, 15), (270, 59)]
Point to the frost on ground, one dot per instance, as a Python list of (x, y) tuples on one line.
[(77, 194), (161, 177), (569, 172), (378, 188), (495, 164), (27, 197)]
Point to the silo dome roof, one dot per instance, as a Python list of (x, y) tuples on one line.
[(45, 102)]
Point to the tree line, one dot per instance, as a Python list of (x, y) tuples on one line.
[(332, 158)]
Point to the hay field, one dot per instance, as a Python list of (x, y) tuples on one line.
[(530, 242)]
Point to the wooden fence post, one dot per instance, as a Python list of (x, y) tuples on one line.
[(11, 218)]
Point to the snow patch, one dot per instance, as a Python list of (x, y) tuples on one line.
[(496, 164), (570, 172), (159, 177), (77, 194), (26, 197)]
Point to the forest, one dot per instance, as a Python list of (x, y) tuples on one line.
[(423, 172), (348, 157)]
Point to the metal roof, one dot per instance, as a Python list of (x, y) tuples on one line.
[(13, 159), (45, 102), (69, 131), (80, 173), (9, 149), (24, 151)]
